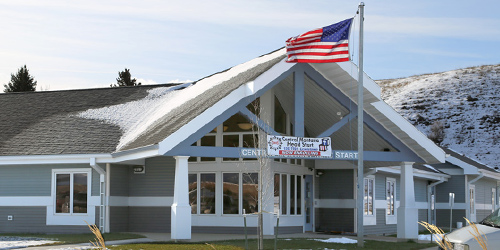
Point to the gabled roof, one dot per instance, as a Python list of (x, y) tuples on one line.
[(465, 162), (127, 118), (42, 123)]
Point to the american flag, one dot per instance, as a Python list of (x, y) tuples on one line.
[(323, 45)]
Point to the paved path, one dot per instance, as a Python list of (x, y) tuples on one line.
[(152, 237)]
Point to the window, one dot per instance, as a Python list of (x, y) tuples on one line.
[(207, 141), (71, 193), (231, 193), (493, 196), (250, 192), (390, 187), (288, 194), (276, 193), (472, 200), (202, 193), (368, 195), (71, 189)]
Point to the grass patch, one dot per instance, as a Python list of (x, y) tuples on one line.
[(77, 238), (282, 244), (172, 246)]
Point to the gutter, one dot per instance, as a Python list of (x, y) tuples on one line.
[(429, 191), (102, 193)]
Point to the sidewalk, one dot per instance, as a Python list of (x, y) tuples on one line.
[(196, 237)]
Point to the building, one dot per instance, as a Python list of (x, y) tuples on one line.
[(179, 158)]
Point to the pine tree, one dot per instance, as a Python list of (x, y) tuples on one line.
[(22, 81), (125, 79)]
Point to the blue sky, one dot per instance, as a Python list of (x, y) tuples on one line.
[(83, 44)]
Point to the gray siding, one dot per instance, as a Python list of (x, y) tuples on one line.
[(29, 180), (334, 219), (96, 180), (481, 214), (336, 184), (483, 190), (443, 218), (381, 228), (149, 219), (32, 220), (158, 179), (118, 219), (380, 182), (455, 184), (422, 216), (119, 179), (420, 190)]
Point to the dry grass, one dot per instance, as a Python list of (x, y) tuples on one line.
[(440, 239), (478, 235), (99, 240)]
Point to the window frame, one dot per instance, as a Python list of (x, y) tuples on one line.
[(71, 218), (391, 218), (369, 219)]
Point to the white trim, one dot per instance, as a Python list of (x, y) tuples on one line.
[(416, 173), (130, 155), (74, 218), (334, 203), (392, 218), (446, 205), (468, 169), (26, 201), (245, 90), (370, 219)]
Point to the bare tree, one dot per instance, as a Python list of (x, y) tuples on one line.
[(437, 132), (265, 177)]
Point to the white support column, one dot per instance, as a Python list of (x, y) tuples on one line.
[(181, 210), (407, 226)]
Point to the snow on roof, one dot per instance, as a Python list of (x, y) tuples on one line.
[(134, 118)]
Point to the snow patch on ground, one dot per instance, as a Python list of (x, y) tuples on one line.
[(135, 117), (342, 240), (14, 242), (427, 237)]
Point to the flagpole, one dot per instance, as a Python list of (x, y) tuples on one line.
[(360, 190)]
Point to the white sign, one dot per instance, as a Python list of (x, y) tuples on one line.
[(345, 155), (299, 147)]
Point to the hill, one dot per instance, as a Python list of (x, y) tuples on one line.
[(467, 101)]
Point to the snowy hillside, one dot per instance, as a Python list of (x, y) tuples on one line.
[(467, 101)]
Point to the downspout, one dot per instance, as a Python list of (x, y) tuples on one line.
[(429, 191), (102, 193), (481, 174)]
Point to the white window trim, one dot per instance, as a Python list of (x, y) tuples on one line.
[(370, 219), (72, 219), (391, 219)]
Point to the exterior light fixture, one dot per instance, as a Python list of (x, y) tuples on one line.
[(139, 169), (319, 173), (245, 125)]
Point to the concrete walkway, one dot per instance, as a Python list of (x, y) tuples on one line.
[(195, 237)]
